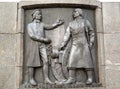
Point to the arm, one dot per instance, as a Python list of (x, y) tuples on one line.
[(90, 33), (66, 38), (50, 27), (32, 35)]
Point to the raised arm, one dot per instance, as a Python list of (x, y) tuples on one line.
[(50, 27)]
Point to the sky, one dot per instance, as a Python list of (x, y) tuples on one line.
[(99, 0)]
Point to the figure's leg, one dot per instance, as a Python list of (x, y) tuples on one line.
[(43, 54), (46, 75), (31, 73), (71, 78), (89, 76)]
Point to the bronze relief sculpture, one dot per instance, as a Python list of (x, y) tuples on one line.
[(36, 31), (82, 37)]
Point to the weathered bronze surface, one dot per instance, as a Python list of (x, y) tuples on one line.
[(37, 35), (64, 58), (81, 33)]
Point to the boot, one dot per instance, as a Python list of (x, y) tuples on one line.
[(47, 80), (70, 81), (33, 82), (60, 82), (90, 77), (71, 78)]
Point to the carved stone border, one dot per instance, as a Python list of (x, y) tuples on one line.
[(90, 4)]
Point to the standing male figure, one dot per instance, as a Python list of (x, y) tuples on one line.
[(36, 31), (81, 33)]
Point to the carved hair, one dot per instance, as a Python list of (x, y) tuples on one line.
[(79, 11), (34, 13)]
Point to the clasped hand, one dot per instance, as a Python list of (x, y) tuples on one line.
[(47, 41)]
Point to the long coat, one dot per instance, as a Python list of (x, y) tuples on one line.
[(80, 56), (34, 29)]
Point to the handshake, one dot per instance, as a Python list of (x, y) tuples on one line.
[(46, 41)]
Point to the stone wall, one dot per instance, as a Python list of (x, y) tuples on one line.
[(10, 45), (111, 26), (8, 35)]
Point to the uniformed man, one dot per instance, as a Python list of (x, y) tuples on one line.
[(81, 33)]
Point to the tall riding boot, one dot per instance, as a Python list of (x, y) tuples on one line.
[(32, 80), (46, 75), (71, 78), (89, 76)]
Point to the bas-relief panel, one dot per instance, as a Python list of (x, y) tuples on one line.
[(60, 47)]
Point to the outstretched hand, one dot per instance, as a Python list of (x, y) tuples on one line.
[(60, 21)]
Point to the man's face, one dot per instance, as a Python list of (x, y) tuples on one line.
[(75, 13), (38, 15)]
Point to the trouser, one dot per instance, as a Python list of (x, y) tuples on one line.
[(44, 58)]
